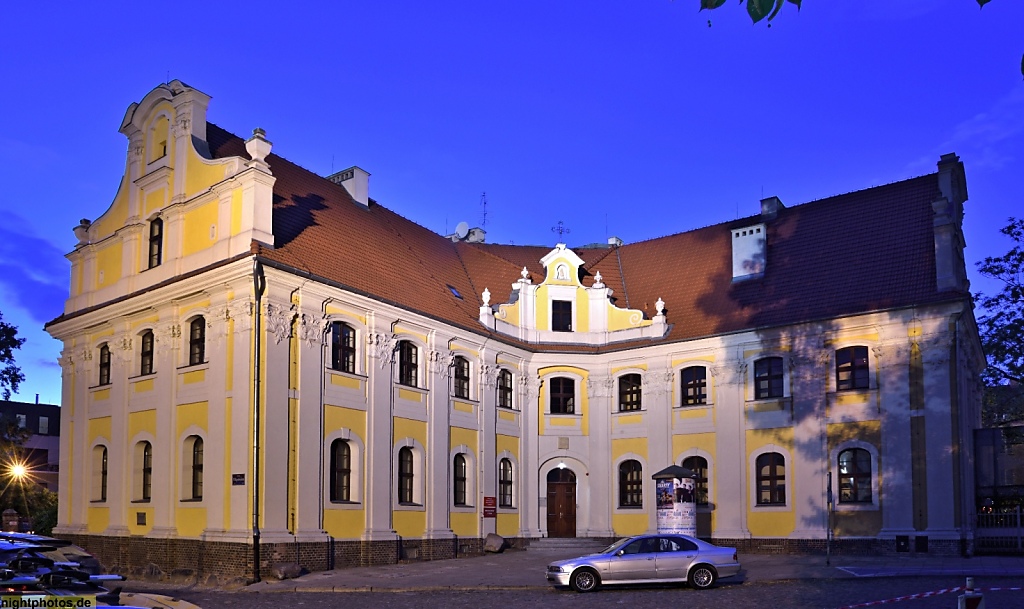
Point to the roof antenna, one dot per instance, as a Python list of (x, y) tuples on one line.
[(483, 204), (332, 164)]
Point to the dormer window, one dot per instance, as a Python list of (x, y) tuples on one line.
[(561, 315), (156, 242)]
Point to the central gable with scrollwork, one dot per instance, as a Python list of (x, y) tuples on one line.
[(562, 310)]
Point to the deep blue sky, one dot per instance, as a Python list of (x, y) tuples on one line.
[(634, 119)]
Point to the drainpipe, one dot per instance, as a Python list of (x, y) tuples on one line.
[(259, 282)]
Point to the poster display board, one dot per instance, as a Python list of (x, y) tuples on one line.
[(677, 506)]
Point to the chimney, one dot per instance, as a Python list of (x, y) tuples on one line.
[(356, 182), (614, 242), (770, 208)]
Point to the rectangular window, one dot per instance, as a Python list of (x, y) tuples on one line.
[(22, 420), (156, 242), (563, 395), (146, 354), (407, 364), (343, 347), (561, 315), (768, 378), (852, 368), (694, 385), (629, 392), (44, 425), (505, 483), (771, 479), (505, 389), (460, 381)]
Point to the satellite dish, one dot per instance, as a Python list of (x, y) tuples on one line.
[(462, 230)]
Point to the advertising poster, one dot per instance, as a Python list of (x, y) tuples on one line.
[(677, 508)]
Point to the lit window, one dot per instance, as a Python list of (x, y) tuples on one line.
[(855, 476)]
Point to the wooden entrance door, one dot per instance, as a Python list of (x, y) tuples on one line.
[(561, 503)]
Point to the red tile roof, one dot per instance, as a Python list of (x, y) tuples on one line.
[(854, 253)]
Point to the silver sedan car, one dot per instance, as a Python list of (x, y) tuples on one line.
[(647, 559)]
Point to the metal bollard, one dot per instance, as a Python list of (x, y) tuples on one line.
[(970, 599)]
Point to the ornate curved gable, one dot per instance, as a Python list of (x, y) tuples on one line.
[(562, 310)]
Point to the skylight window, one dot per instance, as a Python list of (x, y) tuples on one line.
[(454, 292)]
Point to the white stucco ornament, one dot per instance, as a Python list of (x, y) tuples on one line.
[(486, 296), (525, 274), (598, 280)]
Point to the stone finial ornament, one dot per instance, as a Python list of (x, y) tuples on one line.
[(598, 280), (486, 296), (525, 274), (258, 146), (660, 306)]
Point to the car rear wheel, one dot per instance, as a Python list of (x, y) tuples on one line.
[(702, 577), (584, 580)]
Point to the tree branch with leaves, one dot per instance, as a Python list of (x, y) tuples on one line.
[(10, 374), (768, 9), (1002, 321)]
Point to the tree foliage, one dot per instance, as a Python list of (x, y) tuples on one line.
[(1002, 322), (10, 374), (761, 9)]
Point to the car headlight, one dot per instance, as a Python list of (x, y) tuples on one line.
[(554, 569)]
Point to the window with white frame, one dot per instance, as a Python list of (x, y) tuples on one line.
[(192, 468), (104, 364), (99, 473), (768, 378), (408, 364), (694, 385), (699, 466), (341, 471), (146, 353), (343, 347), (505, 483), (855, 476), (504, 388), (406, 476), (143, 472), (770, 478), (156, 242), (631, 484), (197, 341), (563, 395), (629, 392), (852, 368), (460, 475), (460, 377)]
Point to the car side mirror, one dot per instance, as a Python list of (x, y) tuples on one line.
[(620, 552)]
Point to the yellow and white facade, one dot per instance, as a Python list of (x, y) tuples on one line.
[(453, 429)]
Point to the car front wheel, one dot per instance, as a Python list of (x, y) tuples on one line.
[(702, 577), (584, 580)]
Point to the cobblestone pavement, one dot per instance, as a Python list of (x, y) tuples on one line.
[(821, 594)]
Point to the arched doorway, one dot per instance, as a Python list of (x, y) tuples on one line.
[(561, 503)]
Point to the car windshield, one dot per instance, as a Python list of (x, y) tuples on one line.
[(615, 546)]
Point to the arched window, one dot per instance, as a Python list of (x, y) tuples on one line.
[(197, 468), (405, 476), (408, 362), (341, 471), (852, 368), (459, 479), (197, 341), (505, 483), (504, 388), (694, 385), (631, 484), (460, 377), (146, 473), (343, 347), (146, 353), (768, 378), (855, 476), (563, 395), (771, 479), (699, 466), (99, 473), (629, 392), (156, 242), (104, 365)]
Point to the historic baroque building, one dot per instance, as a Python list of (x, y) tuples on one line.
[(418, 391)]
